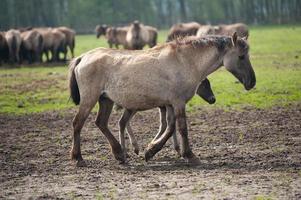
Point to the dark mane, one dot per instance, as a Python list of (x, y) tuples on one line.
[(220, 42)]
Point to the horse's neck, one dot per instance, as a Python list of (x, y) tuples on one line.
[(214, 62), (203, 63)]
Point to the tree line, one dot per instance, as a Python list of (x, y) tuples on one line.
[(83, 15)]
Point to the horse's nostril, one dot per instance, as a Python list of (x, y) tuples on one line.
[(212, 100)]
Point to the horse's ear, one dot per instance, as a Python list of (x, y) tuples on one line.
[(234, 38)]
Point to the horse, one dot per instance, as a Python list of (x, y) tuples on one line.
[(13, 39), (182, 30), (31, 46), (54, 41), (3, 48), (140, 35), (204, 91), (205, 30), (164, 76), (70, 39), (137, 36), (153, 35), (101, 30), (240, 28), (117, 36)]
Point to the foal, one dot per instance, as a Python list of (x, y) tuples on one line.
[(164, 76), (204, 91)]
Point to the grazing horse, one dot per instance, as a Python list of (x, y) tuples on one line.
[(70, 39), (3, 48), (140, 35), (13, 39), (117, 36), (182, 30), (204, 91), (240, 28), (163, 76), (54, 41), (31, 46), (152, 36), (137, 36), (101, 30)]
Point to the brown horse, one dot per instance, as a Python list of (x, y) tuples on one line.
[(70, 39), (101, 30), (32, 46), (117, 36), (240, 28), (164, 76), (136, 36), (3, 48), (152, 36), (182, 30), (140, 35), (13, 39), (204, 91), (54, 42)]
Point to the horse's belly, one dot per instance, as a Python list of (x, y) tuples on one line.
[(137, 101)]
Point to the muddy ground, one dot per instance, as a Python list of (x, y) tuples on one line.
[(248, 154)]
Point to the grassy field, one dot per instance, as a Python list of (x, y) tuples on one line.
[(275, 55)]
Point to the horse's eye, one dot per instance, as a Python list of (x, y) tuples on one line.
[(241, 57)]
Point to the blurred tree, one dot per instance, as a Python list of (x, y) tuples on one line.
[(83, 15)]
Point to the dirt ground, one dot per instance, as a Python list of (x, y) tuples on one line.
[(247, 154)]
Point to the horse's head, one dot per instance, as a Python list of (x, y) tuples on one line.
[(236, 60), (100, 30), (204, 90)]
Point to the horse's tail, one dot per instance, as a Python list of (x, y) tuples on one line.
[(73, 86), (14, 47)]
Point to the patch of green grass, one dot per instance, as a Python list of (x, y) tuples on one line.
[(275, 56), (262, 198)]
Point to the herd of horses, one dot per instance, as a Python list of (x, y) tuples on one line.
[(27, 45), (137, 35), (132, 37), (165, 76)]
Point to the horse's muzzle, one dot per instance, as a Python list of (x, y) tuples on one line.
[(211, 100)]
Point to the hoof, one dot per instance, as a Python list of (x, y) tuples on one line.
[(147, 156), (193, 160), (150, 152), (81, 163), (178, 151), (74, 156), (119, 155)]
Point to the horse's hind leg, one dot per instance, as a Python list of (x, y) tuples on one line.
[(105, 109), (157, 145), (123, 122), (176, 143), (163, 126), (78, 123)]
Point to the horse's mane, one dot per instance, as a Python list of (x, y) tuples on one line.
[(220, 42)]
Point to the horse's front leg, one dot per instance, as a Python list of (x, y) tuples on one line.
[(182, 127), (156, 145), (105, 109), (132, 138), (123, 122)]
